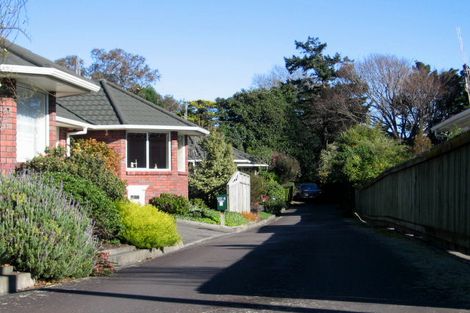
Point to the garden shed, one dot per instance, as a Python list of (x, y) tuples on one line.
[(238, 191)]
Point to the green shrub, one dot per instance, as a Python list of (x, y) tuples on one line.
[(42, 231), (198, 203), (359, 155), (81, 163), (235, 219), (204, 215), (147, 227), (276, 198), (173, 204), (98, 205)]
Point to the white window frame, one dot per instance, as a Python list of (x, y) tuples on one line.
[(46, 119), (181, 152), (147, 157)]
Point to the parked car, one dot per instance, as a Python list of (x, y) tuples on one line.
[(308, 191)]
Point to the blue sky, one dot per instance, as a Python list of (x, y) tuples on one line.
[(212, 48)]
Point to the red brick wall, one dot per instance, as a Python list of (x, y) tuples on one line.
[(53, 136), (170, 181), (62, 136), (7, 135)]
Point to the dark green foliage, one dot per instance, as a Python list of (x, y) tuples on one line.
[(82, 164), (147, 227), (42, 231), (453, 100), (94, 200), (257, 120), (286, 167), (319, 68), (258, 188), (172, 204)]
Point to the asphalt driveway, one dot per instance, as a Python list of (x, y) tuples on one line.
[(310, 260)]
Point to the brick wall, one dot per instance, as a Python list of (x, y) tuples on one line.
[(7, 135), (170, 181), (62, 136), (53, 136)]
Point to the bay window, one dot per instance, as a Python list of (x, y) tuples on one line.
[(32, 124), (148, 151)]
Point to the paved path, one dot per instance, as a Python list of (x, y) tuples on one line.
[(310, 260)]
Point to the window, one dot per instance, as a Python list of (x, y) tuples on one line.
[(148, 151), (32, 124), (181, 154)]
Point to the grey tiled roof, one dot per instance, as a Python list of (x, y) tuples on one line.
[(65, 113), (112, 105), (15, 55)]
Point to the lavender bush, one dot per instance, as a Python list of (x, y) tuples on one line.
[(42, 231)]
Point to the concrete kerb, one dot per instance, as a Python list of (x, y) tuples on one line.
[(228, 229)]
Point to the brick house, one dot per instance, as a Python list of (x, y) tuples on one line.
[(60, 105)]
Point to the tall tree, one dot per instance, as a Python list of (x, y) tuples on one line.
[(256, 121), (403, 97), (330, 93), (123, 68), (73, 63), (167, 102), (203, 113), (454, 98), (275, 78), (330, 100), (13, 19)]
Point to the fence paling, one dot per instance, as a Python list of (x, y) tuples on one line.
[(429, 195)]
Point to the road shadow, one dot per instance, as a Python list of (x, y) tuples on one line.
[(314, 253), (198, 302)]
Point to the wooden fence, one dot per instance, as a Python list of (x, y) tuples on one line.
[(429, 194), (238, 191)]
